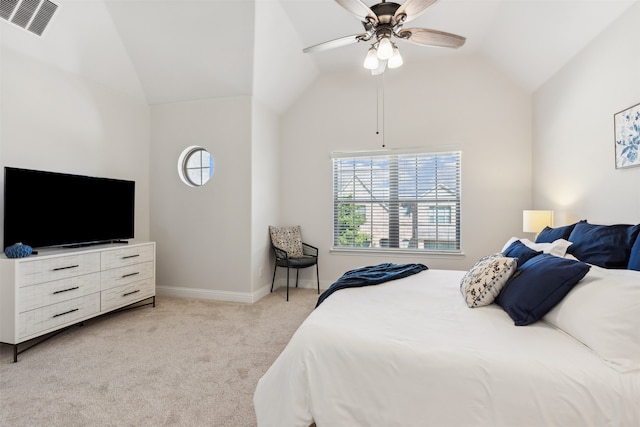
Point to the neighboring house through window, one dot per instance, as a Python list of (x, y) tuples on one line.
[(397, 200)]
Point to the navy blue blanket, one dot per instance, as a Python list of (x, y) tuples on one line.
[(371, 275)]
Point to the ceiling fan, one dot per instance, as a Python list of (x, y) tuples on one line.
[(383, 21)]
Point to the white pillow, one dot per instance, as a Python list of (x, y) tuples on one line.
[(482, 284), (557, 247), (603, 312)]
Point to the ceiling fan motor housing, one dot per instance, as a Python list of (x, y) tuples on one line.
[(385, 11), (387, 23)]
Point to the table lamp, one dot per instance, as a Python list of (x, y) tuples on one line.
[(534, 221)]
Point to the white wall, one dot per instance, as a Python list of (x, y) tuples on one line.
[(203, 234), (462, 102), (280, 73), (574, 167), (55, 120), (265, 194)]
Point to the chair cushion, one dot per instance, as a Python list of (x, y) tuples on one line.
[(288, 239), (301, 262)]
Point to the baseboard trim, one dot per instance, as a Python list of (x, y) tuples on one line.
[(210, 294), (232, 296)]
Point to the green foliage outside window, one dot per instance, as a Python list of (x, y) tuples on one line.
[(350, 218)]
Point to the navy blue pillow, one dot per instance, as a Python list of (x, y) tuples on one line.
[(521, 252), (607, 246), (550, 235), (540, 284), (634, 258)]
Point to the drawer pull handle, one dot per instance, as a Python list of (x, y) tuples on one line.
[(66, 290), (130, 256), (130, 274), (66, 312), (66, 268), (131, 293)]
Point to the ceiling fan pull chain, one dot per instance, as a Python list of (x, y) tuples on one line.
[(383, 122), (377, 108), (380, 108)]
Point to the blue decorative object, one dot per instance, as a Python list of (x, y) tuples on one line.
[(18, 251), (627, 129), (607, 246), (521, 252), (634, 258), (550, 235), (537, 286), (371, 275)]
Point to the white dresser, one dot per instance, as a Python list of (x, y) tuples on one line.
[(57, 288)]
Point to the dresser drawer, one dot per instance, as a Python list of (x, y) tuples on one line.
[(40, 295), (38, 321), (125, 275), (126, 256), (127, 294), (49, 269)]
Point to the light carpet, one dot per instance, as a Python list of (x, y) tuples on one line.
[(184, 362)]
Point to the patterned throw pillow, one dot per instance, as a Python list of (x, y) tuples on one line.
[(288, 239), (482, 284)]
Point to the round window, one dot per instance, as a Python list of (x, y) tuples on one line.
[(195, 166)]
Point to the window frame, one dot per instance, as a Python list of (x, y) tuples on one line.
[(417, 244), (184, 170)]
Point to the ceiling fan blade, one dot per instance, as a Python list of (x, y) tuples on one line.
[(359, 9), (427, 37), (332, 44), (412, 8)]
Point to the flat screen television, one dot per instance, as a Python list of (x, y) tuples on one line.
[(47, 209)]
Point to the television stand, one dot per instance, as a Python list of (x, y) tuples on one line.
[(43, 294)]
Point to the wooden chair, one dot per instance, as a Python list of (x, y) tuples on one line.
[(291, 252)]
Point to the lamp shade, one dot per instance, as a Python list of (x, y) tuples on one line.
[(534, 221), (385, 48), (396, 59), (371, 60)]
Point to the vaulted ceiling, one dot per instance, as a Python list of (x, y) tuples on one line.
[(163, 51), (527, 39)]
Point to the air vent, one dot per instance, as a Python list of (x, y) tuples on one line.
[(32, 15), (25, 12), (42, 18), (7, 7)]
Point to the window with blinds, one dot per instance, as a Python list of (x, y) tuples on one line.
[(407, 201)]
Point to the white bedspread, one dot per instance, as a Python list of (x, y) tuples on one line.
[(411, 353)]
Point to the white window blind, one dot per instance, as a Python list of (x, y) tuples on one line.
[(399, 201)]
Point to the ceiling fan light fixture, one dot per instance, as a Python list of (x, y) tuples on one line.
[(396, 59), (382, 22), (385, 48), (371, 60), (382, 65)]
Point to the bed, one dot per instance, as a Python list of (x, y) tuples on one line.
[(418, 351)]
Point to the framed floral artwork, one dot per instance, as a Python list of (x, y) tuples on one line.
[(627, 136)]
